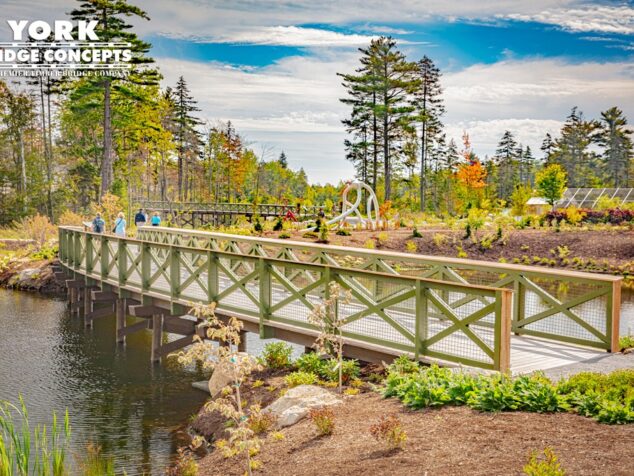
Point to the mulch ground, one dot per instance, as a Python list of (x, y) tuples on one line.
[(615, 246), (446, 441)]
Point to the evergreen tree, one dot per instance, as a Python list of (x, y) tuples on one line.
[(572, 151), (113, 27), (382, 88), (527, 167), (547, 147), (283, 161), (186, 135), (507, 161), (429, 109), (618, 155)]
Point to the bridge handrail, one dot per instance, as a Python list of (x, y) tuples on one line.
[(542, 299), (480, 319)]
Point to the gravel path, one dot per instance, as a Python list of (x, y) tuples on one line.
[(603, 364)]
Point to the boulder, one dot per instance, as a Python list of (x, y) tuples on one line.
[(297, 402), (223, 375)]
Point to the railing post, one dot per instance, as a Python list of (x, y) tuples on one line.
[(519, 304), (146, 266), (212, 276), (104, 257), (76, 250), (122, 260), (265, 295), (421, 324), (175, 271), (502, 333), (89, 253), (613, 316)]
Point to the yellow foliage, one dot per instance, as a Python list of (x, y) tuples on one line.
[(37, 228), (70, 218)]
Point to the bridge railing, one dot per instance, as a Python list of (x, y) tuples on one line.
[(453, 322), (263, 209), (566, 306)]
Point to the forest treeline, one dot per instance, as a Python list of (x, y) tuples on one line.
[(397, 136), (65, 142)]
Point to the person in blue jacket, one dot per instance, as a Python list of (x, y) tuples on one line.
[(119, 225), (98, 224), (156, 219)]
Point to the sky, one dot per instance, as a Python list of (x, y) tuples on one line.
[(271, 66)]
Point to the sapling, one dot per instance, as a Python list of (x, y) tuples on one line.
[(326, 318), (242, 438)]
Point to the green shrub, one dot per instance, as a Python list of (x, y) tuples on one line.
[(284, 236), (310, 362), (277, 355), (46, 252), (342, 232), (546, 466), (626, 342), (324, 420), (403, 365), (416, 233), (310, 234), (300, 378), (496, 394), (349, 370), (607, 398), (279, 224)]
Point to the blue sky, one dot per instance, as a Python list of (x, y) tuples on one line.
[(270, 67)]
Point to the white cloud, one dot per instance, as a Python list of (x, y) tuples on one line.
[(602, 18), (286, 36), (530, 98)]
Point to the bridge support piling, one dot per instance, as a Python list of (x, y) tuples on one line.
[(157, 333), (87, 306), (121, 308), (242, 346)]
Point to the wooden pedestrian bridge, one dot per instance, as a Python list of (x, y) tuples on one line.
[(453, 311)]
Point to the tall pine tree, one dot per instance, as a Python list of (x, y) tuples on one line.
[(429, 109), (619, 152), (186, 135), (112, 16)]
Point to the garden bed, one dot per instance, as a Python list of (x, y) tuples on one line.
[(603, 251), (451, 440)]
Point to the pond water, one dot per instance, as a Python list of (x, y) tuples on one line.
[(134, 410)]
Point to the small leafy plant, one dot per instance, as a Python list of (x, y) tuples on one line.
[(323, 419), (277, 355), (546, 465), (295, 379), (389, 431)]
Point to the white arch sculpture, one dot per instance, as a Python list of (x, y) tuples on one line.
[(348, 208)]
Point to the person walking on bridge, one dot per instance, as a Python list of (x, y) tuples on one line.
[(156, 219), (98, 224), (119, 225), (140, 219)]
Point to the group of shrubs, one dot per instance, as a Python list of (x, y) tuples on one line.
[(612, 216), (606, 398), (310, 367)]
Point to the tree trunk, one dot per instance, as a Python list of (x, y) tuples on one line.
[(375, 148), (423, 152), (107, 164)]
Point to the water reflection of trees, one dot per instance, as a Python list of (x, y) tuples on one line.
[(118, 399)]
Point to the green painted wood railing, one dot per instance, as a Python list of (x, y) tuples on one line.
[(566, 306), (263, 209), (453, 322)]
